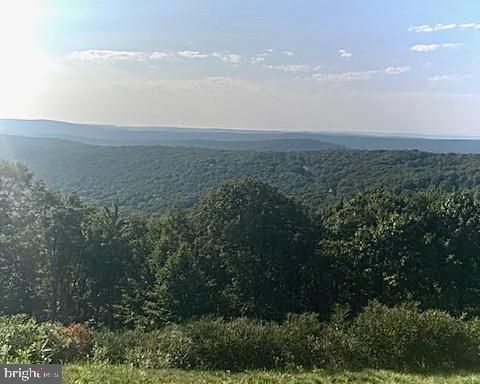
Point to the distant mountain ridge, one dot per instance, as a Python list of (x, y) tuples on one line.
[(229, 138)]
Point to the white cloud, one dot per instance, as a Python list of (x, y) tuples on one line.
[(345, 76), (425, 47), (297, 69), (397, 70), (359, 75), (421, 28), (257, 59), (434, 47), (443, 27), (288, 53), (231, 58), (292, 68), (452, 77), (344, 53), (262, 56), (217, 83), (439, 78), (469, 26), (452, 45), (112, 55), (160, 55), (192, 54)]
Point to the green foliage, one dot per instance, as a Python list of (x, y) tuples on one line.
[(404, 337), (149, 179), (24, 340), (252, 255), (401, 248), (244, 250), (65, 261), (401, 337), (238, 344)]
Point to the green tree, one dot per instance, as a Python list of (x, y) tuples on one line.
[(251, 252)]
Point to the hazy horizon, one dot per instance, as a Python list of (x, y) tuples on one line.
[(328, 66), (153, 127)]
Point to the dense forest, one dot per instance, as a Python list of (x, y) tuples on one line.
[(245, 249), (150, 179)]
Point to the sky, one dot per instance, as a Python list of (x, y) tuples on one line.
[(390, 66)]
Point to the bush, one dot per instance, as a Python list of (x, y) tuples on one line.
[(24, 340), (79, 341), (401, 337), (405, 337), (113, 347), (237, 344), (206, 343)]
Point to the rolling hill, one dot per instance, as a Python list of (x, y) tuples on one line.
[(148, 179), (241, 139)]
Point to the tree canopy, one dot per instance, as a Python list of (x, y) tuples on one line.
[(245, 249), (150, 179)]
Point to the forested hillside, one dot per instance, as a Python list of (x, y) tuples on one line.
[(148, 179), (277, 145), (248, 278), (244, 249)]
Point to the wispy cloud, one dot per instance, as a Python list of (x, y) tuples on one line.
[(257, 59), (264, 56), (443, 27), (434, 47), (192, 54), (344, 53), (112, 55), (469, 26), (397, 70), (231, 58), (292, 68), (359, 75), (451, 77), (301, 70), (188, 85), (106, 55)]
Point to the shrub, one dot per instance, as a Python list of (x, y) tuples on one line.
[(333, 347), (401, 337), (79, 341), (168, 347), (237, 344), (113, 347), (299, 338), (405, 337), (23, 340)]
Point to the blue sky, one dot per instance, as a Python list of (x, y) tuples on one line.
[(378, 66)]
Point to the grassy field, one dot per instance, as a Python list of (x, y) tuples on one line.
[(108, 374)]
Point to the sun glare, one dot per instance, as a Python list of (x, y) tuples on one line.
[(23, 64)]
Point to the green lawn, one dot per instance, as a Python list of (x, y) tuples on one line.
[(106, 374)]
